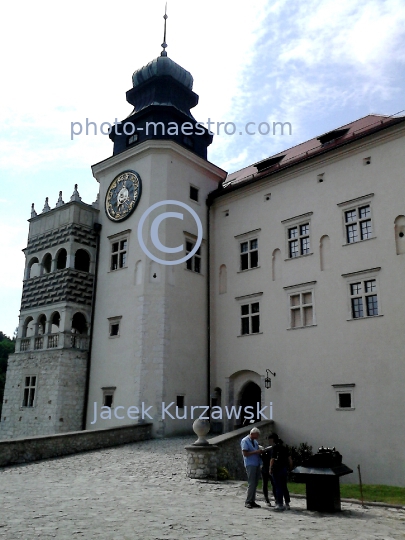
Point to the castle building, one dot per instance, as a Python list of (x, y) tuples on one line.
[(287, 298)]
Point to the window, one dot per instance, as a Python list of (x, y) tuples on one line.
[(29, 391), (298, 232), (194, 262), (358, 224), (194, 193), (363, 296), (298, 240), (301, 305), (108, 400), (344, 396), (250, 318), (119, 254), (180, 402), (132, 139), (108, 395), (114, 329), (249, 254), (357, 219), (114, 326), (301, 310)]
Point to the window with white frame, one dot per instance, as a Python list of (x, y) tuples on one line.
[(298, 240), (363, 298), (194, 262), (301, 309), (30, 386), (119, 254), (358, 224), (298, 235), (344, 396), (363, 295), (301, 305), (357, 219), (249, 254), (250, 318)]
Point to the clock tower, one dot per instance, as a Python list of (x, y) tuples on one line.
[(149, 360)]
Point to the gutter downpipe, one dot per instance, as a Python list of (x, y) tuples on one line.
[(208, 307), (97, 229)]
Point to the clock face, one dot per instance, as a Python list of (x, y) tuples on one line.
[(123, 195)]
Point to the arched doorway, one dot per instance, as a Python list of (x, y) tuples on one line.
[(250, 396)]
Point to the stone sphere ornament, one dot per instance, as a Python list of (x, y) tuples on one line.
[(201, 428)]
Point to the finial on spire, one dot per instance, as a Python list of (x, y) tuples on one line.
[(75, 197), (33, 213), (60, 201), (164, 44), (46, 207)]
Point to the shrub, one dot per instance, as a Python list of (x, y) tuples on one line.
[(299, 454), (223, 473)]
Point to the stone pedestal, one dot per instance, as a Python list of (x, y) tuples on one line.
[(202, 461)]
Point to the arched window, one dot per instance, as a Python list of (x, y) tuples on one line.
[(47, 263), (82, 260), (41, 325), (28, 328), (400, 234), (33, 268), (79, 324), (55, 319), (61, 259)]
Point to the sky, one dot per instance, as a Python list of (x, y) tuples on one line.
[(317, 64)]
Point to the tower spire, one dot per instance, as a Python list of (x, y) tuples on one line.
[(164, 44)]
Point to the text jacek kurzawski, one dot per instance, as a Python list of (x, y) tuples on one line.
[(191, 412)]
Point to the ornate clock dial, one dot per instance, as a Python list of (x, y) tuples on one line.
[(123, 195)]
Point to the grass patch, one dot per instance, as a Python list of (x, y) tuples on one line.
[(371, 492)]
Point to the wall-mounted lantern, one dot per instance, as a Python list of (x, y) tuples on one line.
[(267, 380)]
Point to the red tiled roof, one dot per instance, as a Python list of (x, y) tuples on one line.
[(306, 150)]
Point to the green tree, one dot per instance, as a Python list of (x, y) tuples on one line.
[(7, 347)]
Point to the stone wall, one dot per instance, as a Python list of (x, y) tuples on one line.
[(59, 395), (35, 448), (230, 453)]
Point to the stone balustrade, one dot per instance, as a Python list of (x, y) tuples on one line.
[(60, 340)]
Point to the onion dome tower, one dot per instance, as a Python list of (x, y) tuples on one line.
[(162, 97)]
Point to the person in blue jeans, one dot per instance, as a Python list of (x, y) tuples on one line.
[(252, 461), (280, 464)]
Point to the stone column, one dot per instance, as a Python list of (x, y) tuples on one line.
[(202, 461)]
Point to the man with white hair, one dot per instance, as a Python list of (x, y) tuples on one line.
[(251, 458)]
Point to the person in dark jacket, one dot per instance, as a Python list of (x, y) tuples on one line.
[(266, 476), (280, 464)]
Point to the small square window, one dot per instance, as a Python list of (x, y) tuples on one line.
[(114, 329), (194, 193), (345, 400), (108, 400), (180, 402)]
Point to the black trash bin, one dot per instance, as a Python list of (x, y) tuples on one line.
[(321, 473)]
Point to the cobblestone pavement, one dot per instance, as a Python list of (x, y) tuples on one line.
[(140, 491)]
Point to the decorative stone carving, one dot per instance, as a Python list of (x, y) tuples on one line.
[(75, 196), (60, 202), (46, 207)]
